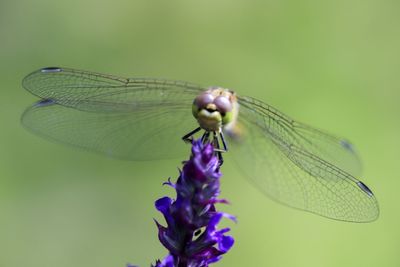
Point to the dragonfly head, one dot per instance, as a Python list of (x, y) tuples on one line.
[(214, 108)]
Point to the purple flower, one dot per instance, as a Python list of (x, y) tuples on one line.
[(191, 235)]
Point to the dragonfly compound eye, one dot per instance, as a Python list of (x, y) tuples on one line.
[(223, 104), (203, 100)]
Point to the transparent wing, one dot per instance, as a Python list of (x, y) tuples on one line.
[(139, 135), (337, 151), (293, 168), (136, 119), (90, 91)]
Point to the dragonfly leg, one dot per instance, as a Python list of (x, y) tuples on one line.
[(217, 138), (188, 138), (217, 148), (206, 137), (221, 135)]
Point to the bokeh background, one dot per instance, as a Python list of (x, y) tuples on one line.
[(332, 64)]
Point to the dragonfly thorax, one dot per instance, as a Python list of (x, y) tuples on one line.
[(215, 108)]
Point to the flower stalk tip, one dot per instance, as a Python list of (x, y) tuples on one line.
[(191, 235)]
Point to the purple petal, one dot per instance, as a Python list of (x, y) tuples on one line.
[(225, 243), (163, 204), (168, 242), (212, 224)]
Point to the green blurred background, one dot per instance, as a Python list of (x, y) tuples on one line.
[(332, 64)]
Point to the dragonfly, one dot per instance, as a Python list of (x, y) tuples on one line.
[(144, 119)]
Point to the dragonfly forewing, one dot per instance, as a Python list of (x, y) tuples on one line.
[(135, 119)]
